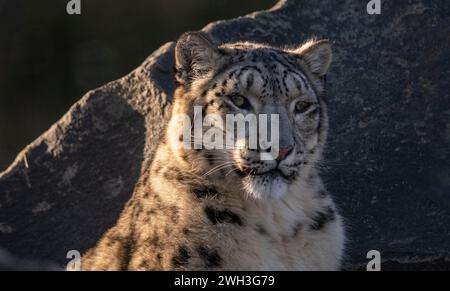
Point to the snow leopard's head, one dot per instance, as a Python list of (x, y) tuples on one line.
[(249, 81)]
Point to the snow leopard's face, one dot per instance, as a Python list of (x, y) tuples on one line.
[(251, 81)]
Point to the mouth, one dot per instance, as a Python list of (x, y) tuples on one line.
[(272, 183), (273, 173)]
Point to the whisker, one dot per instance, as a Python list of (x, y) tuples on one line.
[(217, 167)]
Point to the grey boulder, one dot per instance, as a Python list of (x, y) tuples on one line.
[(387, 161)]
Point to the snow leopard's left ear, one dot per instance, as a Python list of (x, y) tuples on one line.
[(195, 55), (317, 55)]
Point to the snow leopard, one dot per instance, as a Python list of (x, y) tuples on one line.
[(200, 208)]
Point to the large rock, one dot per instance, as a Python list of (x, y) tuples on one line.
[(387, 163)]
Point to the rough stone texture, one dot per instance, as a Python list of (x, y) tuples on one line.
[(387, 162)]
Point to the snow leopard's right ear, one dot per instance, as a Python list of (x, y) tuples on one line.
[(195, 56)]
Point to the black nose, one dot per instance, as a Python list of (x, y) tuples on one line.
[(284, 152)]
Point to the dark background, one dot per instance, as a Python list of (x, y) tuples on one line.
[(49, 59)]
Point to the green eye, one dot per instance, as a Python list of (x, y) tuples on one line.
[(302, 107), (240, 102)]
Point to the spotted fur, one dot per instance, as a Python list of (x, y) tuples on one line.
[(210, 209)]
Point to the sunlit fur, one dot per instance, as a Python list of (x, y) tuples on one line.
[(225, 209)]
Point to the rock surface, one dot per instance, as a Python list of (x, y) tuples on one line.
[(387, 163)]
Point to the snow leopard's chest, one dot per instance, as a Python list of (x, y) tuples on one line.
[(287, 240)]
